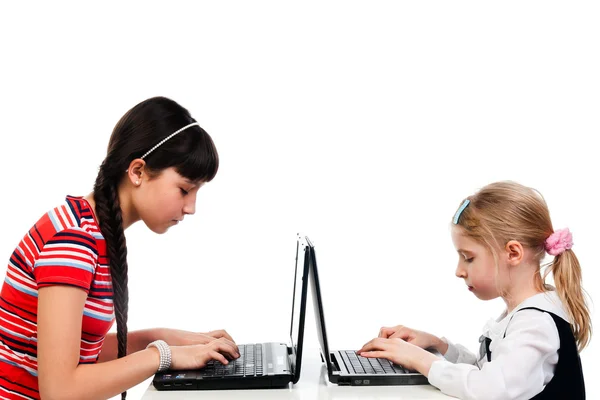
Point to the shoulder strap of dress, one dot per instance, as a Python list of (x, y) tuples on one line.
[(521, 309)]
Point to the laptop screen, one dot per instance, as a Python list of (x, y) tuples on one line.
[(299, 304), (318, 306)]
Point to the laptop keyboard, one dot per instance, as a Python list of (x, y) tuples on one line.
[(248, 364), (364, 365)]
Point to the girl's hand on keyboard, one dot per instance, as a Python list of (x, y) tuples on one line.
[(420, 339), (197, 356), (220, 333), (176, 337), (399, 352)]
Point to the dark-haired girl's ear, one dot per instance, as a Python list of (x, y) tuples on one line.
[(136, 171)]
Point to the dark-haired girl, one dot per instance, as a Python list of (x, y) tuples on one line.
[(66, 281)]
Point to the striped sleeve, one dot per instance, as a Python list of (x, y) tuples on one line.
[(68, 258)]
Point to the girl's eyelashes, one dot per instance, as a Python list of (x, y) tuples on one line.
[(183, 191), (467, 258)]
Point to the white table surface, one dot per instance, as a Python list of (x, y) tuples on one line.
[(313, 384)]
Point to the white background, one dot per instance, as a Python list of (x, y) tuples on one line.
[(360, 124)]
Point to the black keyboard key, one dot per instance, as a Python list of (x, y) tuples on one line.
[(399, 369)]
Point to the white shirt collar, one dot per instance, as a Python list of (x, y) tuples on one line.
[(547, 301)]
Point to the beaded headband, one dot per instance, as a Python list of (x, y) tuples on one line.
[(167, 138)]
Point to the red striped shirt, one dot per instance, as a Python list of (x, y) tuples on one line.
[(65, 247)]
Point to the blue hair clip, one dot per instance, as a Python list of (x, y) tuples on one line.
[(460, 211)]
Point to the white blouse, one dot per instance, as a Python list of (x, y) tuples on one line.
[(522, 363)]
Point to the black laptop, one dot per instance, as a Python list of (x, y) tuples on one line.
[(345, 367), (260, 365)]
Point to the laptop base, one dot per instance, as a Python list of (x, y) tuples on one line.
[(265, 382), (273, 371), (343, 377)]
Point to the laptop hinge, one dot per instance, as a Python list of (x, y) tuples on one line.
[(334, 362), (291, 360)]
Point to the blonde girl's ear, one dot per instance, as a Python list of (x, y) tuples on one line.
[(514, 252)]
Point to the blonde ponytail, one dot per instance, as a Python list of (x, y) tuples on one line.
[(566, 272)]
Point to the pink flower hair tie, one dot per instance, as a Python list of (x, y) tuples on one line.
[(559, 241)]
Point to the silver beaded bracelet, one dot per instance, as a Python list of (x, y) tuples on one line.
[(165, 354)]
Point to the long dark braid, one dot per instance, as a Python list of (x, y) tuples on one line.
[(108, 210), (193, 155)]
